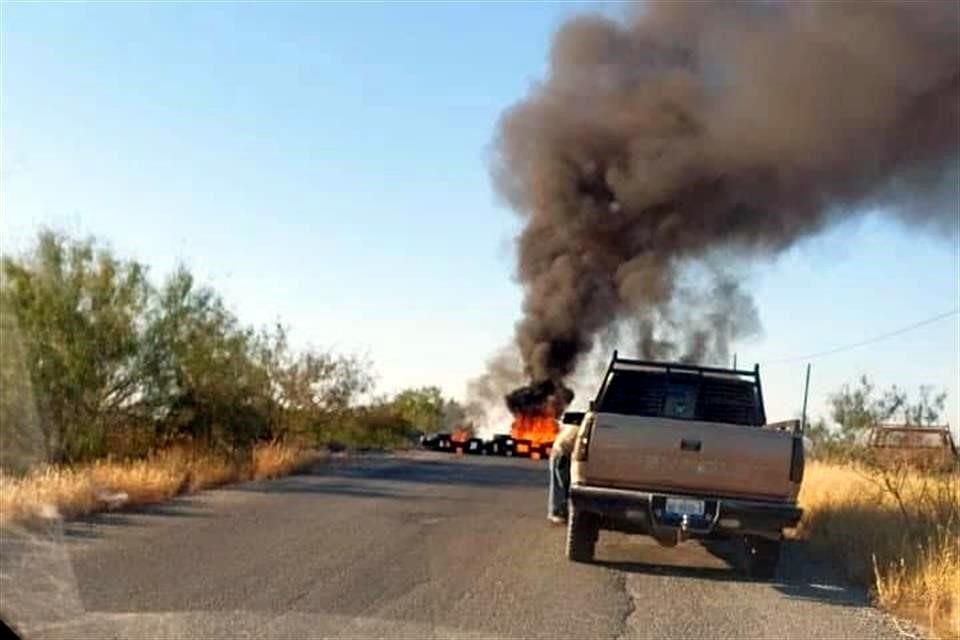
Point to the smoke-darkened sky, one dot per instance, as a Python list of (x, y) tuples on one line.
[(688, 131), (351, 168)]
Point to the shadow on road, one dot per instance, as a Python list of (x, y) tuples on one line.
[(87, 527), (802, 577), (391, 477), (799, 576), (362, 477)]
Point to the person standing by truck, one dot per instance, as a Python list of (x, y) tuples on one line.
[(560, 473)]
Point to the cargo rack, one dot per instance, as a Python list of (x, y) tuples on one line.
[(631, 364)]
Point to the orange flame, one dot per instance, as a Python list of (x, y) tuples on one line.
[(460, 434), (539, 428)]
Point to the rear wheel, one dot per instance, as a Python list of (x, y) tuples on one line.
[(583, 529), (760, 557)]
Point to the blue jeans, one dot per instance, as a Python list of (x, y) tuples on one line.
[(559, 485)]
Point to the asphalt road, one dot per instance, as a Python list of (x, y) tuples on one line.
[(422, 545)]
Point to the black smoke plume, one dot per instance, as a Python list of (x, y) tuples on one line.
[(691, 128), (539, 398)]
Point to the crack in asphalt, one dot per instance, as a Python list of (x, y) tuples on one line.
[(624, 622)]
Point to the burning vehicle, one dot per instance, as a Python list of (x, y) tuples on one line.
[(535, 409), (464, 442), (532, 431), (460, 441), (500, 445)]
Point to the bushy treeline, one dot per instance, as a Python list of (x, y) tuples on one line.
[(97, 359)]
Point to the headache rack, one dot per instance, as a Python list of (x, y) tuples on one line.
[(717, 395)]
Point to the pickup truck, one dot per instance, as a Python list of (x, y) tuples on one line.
[(929, 448), (678, 451)]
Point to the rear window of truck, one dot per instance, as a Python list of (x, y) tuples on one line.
[(681, 395)]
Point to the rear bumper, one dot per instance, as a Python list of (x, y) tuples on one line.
[(634, 510)]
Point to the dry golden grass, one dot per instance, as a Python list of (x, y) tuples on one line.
[(894, 530), (52, 491), (275, 459)]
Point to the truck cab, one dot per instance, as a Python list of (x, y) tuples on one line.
[(679, 451)]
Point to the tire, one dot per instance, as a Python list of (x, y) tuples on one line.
[(760, 557), (583, 529)]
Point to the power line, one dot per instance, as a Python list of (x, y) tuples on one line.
[(862, 343)]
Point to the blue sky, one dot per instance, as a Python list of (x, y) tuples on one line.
[(326, 165)]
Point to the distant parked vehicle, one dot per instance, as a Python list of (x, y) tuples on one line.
[(501, 445), (926, 447), (437, 442), (524, 448), (474, 447)]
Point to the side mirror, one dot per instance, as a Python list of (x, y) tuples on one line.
[(592, 402)]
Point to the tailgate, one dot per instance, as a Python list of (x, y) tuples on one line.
[(687, 456)]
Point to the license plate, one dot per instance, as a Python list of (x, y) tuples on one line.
[(683, 507)]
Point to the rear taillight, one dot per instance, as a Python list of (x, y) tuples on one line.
[(796, 460), (580, 449)]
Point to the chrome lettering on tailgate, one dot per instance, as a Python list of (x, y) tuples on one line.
[(698, 466)]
